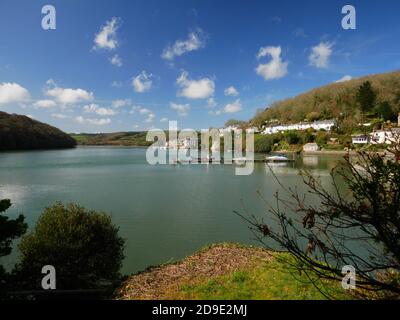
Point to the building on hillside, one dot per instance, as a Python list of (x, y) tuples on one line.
[(360, 139), (189, 143), (316, 125), (385, 136), (255, 129), (184, 143), (215, 146), (227, 130), (311, 147)]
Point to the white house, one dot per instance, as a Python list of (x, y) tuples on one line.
[(360, 139), (227, 129), (310, 147), (316, 125), (255, 129), (187, 143), (184, 143), (215, 146), (385, 136)]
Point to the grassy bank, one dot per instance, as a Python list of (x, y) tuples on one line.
[(226, 271)]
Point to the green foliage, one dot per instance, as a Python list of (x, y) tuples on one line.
[(283, 145), (21, 132), (270, 280), (366, 97), (322, 138), (313, 116), (9, 230), (292, 137), (263, 144), (307, 136), (236, 123), (83, 246), (363, 211), (114, 139), (384, 111), (337, 100)]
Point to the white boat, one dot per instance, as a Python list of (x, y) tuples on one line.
[(278, 158), (240, 160)]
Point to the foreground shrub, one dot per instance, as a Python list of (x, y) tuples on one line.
[(83, 246), (356, 226), (10, 229)]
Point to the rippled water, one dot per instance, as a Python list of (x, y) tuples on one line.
[(164, 212)]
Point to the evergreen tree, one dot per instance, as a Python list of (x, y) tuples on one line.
[(366, 97)]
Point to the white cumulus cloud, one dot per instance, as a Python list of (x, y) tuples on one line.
[(320, 54), (211, 103), (107, 36), (45, 104), (344, 79), (194, 42), (233, 107), (96, 122), (150, 117), (94, 108), (121, 103), (195, 89), (142, 82), (67, 96), (276, 68), (116, 60), (181, 109), (231, 91), (13, 93), (139, 109), (116, 84)]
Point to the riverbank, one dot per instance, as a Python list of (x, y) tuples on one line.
[(224, 271)]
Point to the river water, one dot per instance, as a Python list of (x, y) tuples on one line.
[(164, 212)]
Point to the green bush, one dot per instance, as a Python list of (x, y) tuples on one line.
[(83, 246), (307, 136), (9, 230), (292, 137), (313, 116), (322, 138), (263, 144)]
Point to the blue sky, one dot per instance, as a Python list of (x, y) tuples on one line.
[(131, 65)]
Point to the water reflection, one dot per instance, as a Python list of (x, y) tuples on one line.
[(310, 161)]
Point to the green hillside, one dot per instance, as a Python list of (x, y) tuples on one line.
[(112, 139), (338, 100), (19, 132)]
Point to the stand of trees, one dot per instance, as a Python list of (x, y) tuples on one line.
[(22, 133), (371, 96)]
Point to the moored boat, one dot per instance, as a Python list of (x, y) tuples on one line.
[(278, 158)]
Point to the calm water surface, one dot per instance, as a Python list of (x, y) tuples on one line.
[(164, 212)]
